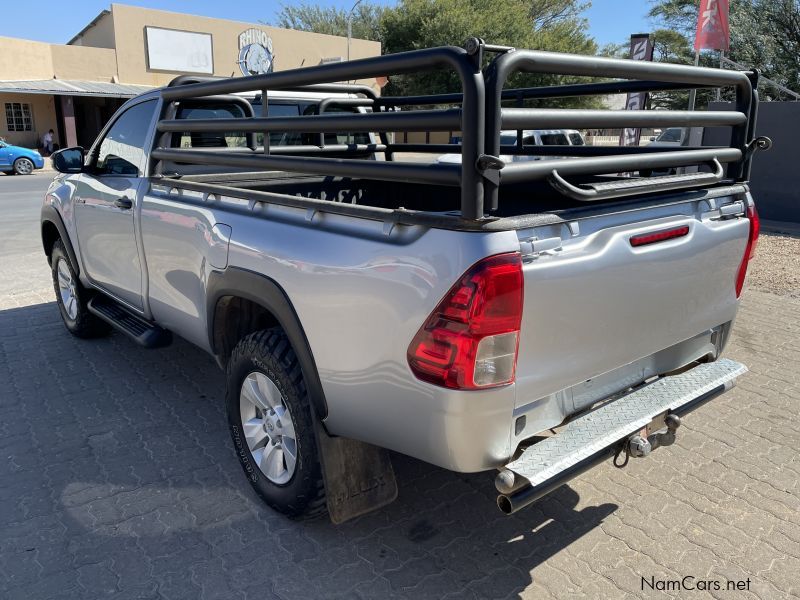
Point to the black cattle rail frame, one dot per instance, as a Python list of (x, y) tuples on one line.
[(478, 112)]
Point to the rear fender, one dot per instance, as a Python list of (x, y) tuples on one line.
[(267, 293)]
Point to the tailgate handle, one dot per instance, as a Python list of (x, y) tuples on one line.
[(648, 185)]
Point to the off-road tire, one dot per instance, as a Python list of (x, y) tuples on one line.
[(84, 324), (270, 353)]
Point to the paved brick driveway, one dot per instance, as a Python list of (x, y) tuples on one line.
[(117, 478)]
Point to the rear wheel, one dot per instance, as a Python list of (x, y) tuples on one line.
[(270, 418), (23, 166), (72, 297)]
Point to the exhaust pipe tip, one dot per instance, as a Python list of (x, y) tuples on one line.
[(504, 504)]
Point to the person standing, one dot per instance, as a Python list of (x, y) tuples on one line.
[(47, 141)]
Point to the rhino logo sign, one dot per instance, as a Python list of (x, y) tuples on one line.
[(255, 52)]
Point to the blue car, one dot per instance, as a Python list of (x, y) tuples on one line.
[(18, 160)]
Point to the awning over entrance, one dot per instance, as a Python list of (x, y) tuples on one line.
[(73, 87)]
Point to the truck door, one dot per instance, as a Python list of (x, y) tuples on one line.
[(107, 199)]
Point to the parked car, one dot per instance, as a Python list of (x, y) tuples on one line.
[(530, 137), (672, 136), (531, 318), (16, 160)]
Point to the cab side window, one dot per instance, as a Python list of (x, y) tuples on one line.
[(576, 139), (122, 150)]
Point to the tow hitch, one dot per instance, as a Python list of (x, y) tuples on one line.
[(660, 432), (644, 442)]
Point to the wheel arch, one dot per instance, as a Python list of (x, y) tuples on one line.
[(53, 229), (259, 291)]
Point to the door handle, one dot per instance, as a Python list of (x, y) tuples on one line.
[(123, 203)]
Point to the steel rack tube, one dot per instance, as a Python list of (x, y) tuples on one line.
[(314, 77), (431, 120), (365, 169), (527, 171), (472, 117), (342, 88), (558, 118), (594, 150), (555, 91), (530, 61)]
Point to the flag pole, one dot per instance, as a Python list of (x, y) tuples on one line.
[(721, 66), (693, 91)]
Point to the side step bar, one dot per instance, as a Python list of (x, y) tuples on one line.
[(589, 439), (135, 327)]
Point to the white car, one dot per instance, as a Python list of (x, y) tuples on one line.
[(673, 136), (530, 137)]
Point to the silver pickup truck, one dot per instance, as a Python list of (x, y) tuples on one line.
[(532, 317)]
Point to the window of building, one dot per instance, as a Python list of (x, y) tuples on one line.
[(19, 116)]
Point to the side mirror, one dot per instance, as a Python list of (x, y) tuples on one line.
[(69, 160)]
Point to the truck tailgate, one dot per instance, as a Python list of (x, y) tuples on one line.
[(595, 303)]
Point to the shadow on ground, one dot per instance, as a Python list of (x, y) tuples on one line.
[(118, 476)]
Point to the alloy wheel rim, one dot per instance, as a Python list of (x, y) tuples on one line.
[(24, 166), (268, 428), (66, 289)]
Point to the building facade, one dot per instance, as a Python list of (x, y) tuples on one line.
[(75, 88)]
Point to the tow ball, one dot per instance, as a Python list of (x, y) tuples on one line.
[(641, 444)]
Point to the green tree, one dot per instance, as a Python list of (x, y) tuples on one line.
[(307, 16), (765, 34), (555, 25)]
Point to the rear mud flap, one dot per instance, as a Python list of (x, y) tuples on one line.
[(359, 477)]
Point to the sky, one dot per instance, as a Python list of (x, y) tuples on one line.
[(56, 21)]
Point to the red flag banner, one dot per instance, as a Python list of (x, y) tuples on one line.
[(713, 29)]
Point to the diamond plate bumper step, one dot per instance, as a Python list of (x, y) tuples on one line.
[(597, 435)]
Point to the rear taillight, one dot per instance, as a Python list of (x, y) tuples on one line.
[(749, 249), (470, 340)]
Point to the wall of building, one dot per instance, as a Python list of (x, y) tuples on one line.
[(113, 48), (44, 118), (28, 60), (76, 62), (99, 35), (93, 55), (25, 59), (292, 48)]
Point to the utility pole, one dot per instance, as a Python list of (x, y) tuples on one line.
[(350, 26), (693, 91)]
